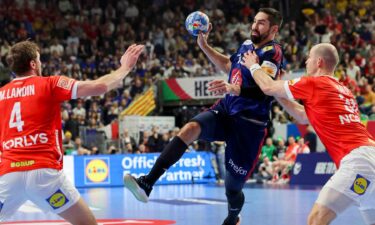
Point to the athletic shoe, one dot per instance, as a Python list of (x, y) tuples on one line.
[(138, 186)]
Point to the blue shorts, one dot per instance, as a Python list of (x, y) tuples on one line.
[(243, 138)]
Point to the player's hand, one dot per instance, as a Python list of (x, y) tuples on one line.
[(202, 37), (130, 57), (249, 58), (220, 87)]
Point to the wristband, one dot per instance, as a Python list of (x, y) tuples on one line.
[(254, 67)]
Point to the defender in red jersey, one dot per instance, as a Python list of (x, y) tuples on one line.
[(31, 156), (333, 112)]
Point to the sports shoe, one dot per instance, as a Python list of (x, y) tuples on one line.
[(138, 186), (237, 223)]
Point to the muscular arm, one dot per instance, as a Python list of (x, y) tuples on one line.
[(221, 61), (112, 80), (268, 85), (274, 88), (102, 84), (294, 109)]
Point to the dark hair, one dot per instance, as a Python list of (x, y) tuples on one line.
[(274, 16), (20, 56)]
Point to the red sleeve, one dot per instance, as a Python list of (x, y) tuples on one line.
[(300, 88), (63, 88)]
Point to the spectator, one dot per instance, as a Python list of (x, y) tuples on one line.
[(80, 149), (68, 144), (128, 142), (265, 170), (79, 110), (302, 147), (268, 150)]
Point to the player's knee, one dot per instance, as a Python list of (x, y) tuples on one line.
[(234, 194), (190, 132)]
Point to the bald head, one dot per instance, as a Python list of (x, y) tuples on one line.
[(328, 53)]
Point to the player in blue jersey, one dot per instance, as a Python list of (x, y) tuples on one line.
[(240, 121)]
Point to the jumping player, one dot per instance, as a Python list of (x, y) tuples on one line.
[(333, 112), (240, 122), (31, 158)]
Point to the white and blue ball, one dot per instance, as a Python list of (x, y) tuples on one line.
[(196, 22)]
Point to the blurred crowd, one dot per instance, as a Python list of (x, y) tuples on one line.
[(85, 39)]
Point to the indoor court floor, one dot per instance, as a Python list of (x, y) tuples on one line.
[(195, 204)]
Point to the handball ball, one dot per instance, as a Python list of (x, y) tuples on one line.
[(196, 22)]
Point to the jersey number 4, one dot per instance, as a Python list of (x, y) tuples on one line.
[(15, 117)]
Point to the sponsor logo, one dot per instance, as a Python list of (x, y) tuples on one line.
[(360, 185), (267, 48), (269, 68), (294, 81), (65, 83), (237, 169), (57, 200), (25, 141), (297, 168), (325, 168), (97, 170), (22, 164)]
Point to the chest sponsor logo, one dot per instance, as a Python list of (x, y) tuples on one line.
[(360, 185)]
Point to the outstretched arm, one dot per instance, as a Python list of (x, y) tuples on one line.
[(220, 60), (112, 80), (265, 82), (274, 88), (294, 109)]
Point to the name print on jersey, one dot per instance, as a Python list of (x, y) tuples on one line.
[(17, 92), (350, 106), (25, 141)]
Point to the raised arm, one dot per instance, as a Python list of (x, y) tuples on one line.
[(112, 80), (220, 60)]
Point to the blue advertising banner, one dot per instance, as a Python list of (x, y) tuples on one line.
[(108, 170), (312, 169)]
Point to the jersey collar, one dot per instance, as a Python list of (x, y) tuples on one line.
[(23, 78)]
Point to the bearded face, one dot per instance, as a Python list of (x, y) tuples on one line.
[(256, 37), (260, 28)]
